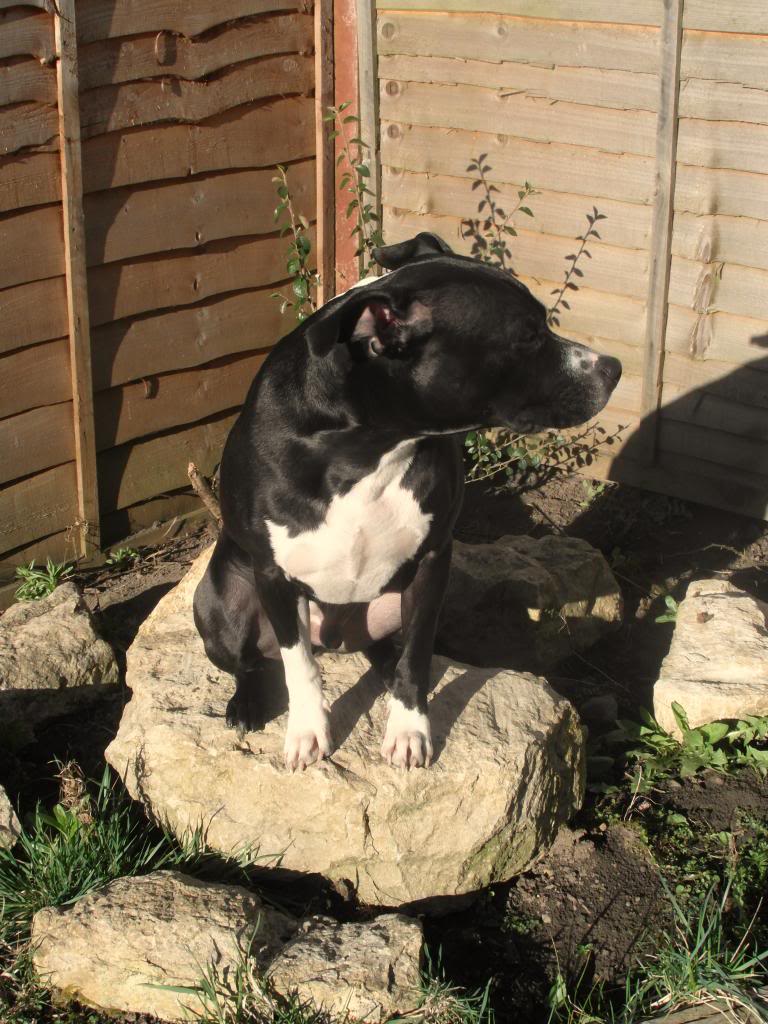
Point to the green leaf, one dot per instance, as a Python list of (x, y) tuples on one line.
[(680, 717), (363, 171), (714, 732)]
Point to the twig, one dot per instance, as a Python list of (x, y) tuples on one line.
[(202, 489)]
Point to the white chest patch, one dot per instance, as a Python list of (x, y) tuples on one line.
[(367, 534)]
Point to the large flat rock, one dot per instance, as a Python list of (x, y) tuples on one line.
[(717, 666), (508, 769)]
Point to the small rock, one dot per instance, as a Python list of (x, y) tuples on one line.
[(366, 972), (525, 603), (9, 823), (508, 768), (602, 710), (717, 666), (116, 945), (51, 657)]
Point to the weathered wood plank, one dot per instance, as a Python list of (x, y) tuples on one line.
[(711, 190), (745, 385), (715, 336), (368, 100), (612, 269), (28, 124), (555, 213), (24, 32), (747, 16), (717, 239), (147, 407), (34, 312), (29, 180), (185, 17), (34, 376), (38, 506), (721, 448), (36, 440), (725, 57), (705, 409), (113, 107), (620, 90), (124, 223), (723, 144), (25, 81), (111, 61), (31, 246), (134, 349), (493, 38), (122, 290), (170, 512), (731, 288), (724, 101), (76, 277), (280, 131), (134, 472), (325, 150), (587, 171), (645, 12), (475, 109)]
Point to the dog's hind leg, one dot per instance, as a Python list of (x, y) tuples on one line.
[(237, 635)]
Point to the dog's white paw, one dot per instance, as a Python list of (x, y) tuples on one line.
[(407, 738), (308, 737)]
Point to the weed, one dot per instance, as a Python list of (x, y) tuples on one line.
[(122, 558), (38, 582), (574, 270), (592, 490), (490, 232), (670, 615), (305, 279)]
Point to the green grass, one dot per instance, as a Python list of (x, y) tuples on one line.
[(38, 582)]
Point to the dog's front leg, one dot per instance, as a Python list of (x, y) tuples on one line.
[(308, 737), (408, 740)]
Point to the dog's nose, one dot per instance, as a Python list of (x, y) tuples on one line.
[(610, 368)]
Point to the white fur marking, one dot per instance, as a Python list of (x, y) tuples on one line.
[(308, 736), (407, 738), (367, 534)]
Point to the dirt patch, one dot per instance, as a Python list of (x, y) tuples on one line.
[(716, 803)]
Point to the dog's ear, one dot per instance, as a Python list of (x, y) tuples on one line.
[(423, 245), (372, 324)]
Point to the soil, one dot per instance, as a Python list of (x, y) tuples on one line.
[(594, 898)]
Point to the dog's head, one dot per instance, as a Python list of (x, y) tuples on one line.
[(463, 344)]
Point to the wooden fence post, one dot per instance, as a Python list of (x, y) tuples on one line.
[(326, 151), (661, 230), (77, 278), (368, 92)]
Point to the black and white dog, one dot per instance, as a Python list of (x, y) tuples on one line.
[(342, 478)]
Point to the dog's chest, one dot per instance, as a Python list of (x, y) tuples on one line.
[(367, 534)]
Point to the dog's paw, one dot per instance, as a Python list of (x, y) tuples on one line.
[(407, 739), (244, 713), (308, 737)]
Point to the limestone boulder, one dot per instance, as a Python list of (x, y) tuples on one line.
[(508, 768), (717, 666), (9, 823), (527, 603), (51, 657), (117, 948), (367, 972)]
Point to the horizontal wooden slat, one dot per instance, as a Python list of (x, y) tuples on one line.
[(725, 57), (746, 384), (623, 90), (731, 144), (25, 32), (493, 38), (29, 179), (712, 190), (133, 472), (717, 446), (133, 349), (117, 526), (734, 288), (96, 20), (644, 12), (121, 290), (137, 410), (555, 213), (705, 409), (586, 171), (31, 245), (732, 240), (723, 101), (612, 269), (277, 132), (722, 337), (36, 440), (124, 60), (27, 80), (38, 506), (715, 16), (35, 376), (474, 109), (27, 124), (594, 314), (125, 222), (34, 312)]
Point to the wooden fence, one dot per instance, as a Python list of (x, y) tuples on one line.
[(137, 248), (657, 114)]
